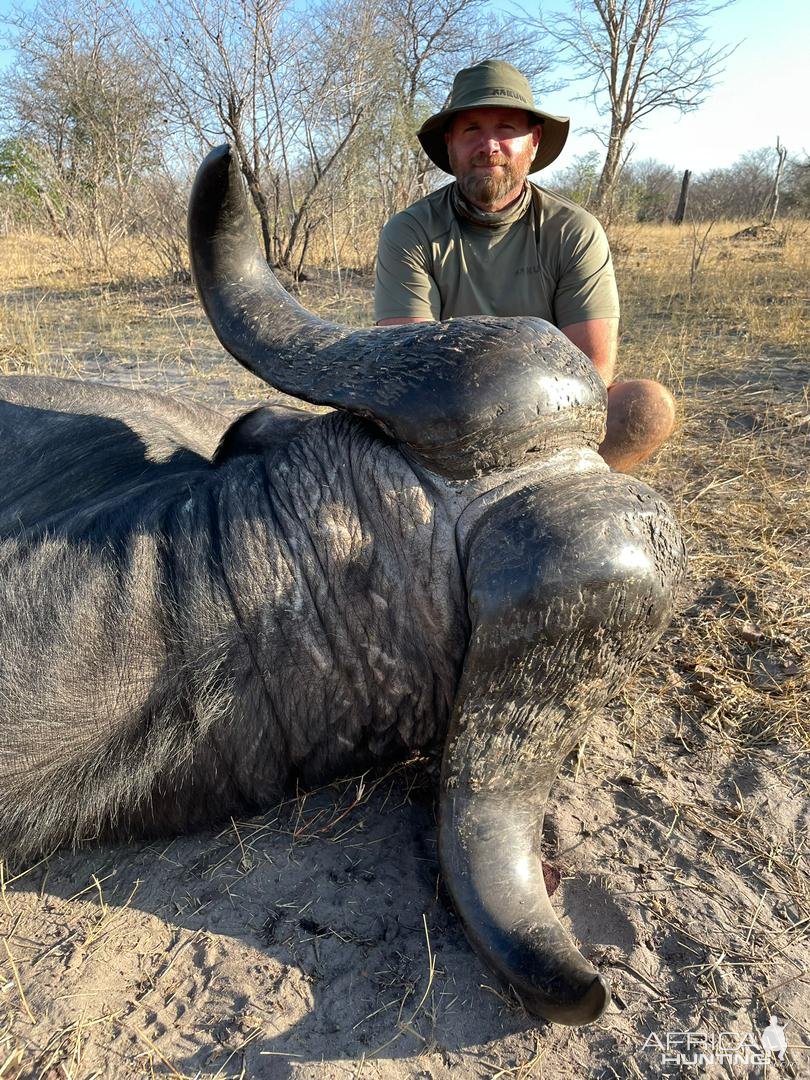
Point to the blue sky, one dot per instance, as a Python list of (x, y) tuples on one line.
[(764, 93)]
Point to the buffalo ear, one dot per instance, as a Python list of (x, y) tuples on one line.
[(264, 428)]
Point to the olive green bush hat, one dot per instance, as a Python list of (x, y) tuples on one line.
[(492, 84)]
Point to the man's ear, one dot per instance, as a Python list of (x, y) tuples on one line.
[(537, 134)]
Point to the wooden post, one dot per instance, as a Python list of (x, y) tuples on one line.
[(679, 214)]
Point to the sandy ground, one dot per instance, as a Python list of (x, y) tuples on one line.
[(316, 942)]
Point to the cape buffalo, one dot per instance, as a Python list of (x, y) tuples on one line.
[(193, 615)]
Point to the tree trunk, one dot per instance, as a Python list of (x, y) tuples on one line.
[(680, 213), (606, 187), (773, 201), (251, 176), (335, 252), (299, 220), (53, 217)]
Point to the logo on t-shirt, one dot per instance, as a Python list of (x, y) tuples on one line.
[(528, 270)]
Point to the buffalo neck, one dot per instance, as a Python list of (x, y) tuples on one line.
[(348, 622)]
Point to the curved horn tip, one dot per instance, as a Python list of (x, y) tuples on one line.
[(224, 150), (587, 1010)]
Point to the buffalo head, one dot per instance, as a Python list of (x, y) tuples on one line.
[(569, 572)]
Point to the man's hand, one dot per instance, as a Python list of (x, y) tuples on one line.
[(598, 339)]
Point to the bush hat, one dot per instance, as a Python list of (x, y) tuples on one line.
[(489, 85)]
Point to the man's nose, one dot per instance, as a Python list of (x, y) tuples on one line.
[(489, 144)]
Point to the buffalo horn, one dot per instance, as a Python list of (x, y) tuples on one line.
[(464, 396)]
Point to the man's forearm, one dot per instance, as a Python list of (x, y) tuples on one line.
[(598, 339), (399, 322)]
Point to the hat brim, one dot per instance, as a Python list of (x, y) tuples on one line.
[(555, 133)]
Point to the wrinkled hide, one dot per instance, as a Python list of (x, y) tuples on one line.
[(195, 613), (159, 644)]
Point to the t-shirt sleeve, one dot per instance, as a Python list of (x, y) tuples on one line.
[(586, 288), (404, 288)]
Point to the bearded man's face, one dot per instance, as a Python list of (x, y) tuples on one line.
[(491, 151)]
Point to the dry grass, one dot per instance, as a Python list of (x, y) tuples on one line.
[(62, 318), (730, 339), (747, 294), (722, 321)]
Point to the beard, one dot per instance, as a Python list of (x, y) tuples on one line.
[(490, 188)]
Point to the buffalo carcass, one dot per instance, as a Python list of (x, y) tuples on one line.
[(194, 614)]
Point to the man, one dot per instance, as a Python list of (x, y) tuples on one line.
[(493, 243)]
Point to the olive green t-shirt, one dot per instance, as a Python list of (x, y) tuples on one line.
[(553, 262)]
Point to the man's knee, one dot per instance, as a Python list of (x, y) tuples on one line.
[(644, 408), (641, 416)]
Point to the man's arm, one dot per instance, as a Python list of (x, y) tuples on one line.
[(404, 289), (598, 339), (399, 322)]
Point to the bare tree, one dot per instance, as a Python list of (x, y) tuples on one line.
[(739, 191), (338, 90), (637, 56), (217, 64), (82, 100), (288, 89)]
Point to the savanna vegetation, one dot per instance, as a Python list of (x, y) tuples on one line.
[(108, 108), (312, 941)]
